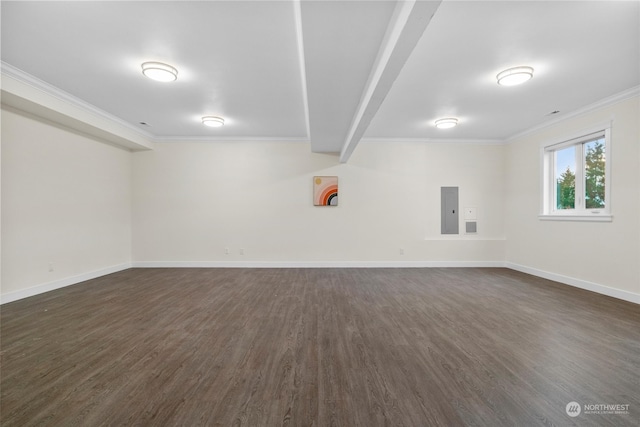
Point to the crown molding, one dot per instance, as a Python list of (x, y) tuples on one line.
[(25, 92), (41, 85), (472, 141), (161, 139), (605, 102)]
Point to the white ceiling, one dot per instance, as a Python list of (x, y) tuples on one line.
[(328, 72)]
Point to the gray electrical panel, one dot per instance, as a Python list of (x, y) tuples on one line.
[(449, 210)]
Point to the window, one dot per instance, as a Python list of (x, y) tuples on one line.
[(576, 178)]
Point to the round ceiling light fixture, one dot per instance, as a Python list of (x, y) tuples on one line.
[(514, 76), (446, 123), (213, 121), (159, 71)]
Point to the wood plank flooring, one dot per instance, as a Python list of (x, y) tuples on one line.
[(318, 347)]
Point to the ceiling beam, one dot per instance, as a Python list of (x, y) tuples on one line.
[(297, 10), (341, 43), (26, 93), (409, 21)]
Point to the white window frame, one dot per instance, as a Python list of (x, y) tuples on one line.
[(548, 209)]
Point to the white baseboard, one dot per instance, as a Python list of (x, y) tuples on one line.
[(314, 264), (61, 283), (582, 284), (578, 283)]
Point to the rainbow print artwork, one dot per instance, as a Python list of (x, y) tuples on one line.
[(325, 190)]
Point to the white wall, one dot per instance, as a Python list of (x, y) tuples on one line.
[(66, 200), (193, 200), (604, 254), (91, 208)]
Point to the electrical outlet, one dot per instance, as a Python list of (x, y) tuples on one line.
[(241, 251), (401, 251), (51, 267), (227, 251)]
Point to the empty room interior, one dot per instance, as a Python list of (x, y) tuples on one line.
[(320, 213)]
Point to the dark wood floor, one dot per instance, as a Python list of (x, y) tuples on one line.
[(318, 347)]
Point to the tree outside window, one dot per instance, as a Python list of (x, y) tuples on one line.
[(576, 177)]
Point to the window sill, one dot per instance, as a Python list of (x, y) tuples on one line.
[(581, 218)]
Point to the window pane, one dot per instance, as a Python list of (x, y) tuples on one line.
[(594, 165), (565, 178)]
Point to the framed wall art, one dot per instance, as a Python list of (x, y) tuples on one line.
[(325, 190)]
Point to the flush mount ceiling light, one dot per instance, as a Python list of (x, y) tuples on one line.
[(446, 123), (514, 76), (213, 121), (159, 71)]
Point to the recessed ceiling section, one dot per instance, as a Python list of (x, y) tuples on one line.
[(332, 72), (341, 43), (237, 58), (582, 52)]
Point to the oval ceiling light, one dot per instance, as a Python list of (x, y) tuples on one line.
[(447, 123), (159, 71), (213, 121), (514, 76)]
